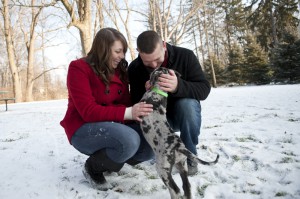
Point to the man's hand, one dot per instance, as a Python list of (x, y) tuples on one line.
[(168, 82)]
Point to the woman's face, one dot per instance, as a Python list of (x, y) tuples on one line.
[(117, 54)]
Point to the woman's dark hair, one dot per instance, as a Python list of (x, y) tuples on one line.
[(99, 55)]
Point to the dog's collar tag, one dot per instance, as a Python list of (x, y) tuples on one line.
[(158, 91)]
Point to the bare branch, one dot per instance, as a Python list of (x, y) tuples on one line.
[(42, 5), (46, 71)]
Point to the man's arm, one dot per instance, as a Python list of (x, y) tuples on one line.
[(192, 82)]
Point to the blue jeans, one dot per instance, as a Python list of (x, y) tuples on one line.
[(184, 115), (120, 141)]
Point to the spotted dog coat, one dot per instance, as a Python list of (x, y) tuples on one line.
[(168, 148)]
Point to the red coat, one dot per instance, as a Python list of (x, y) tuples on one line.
[(88, 99)]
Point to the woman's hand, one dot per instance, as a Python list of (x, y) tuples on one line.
[(147, 85), (141, 109)]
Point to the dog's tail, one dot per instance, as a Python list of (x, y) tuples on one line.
[(193, 157)]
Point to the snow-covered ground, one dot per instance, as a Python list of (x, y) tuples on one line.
[(255, 129)]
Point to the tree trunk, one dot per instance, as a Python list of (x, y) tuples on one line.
[(126, 25), (86, 39), (30, 43), (195, 40), (214, 81), (82, 21), (201, 41), (30, 70), (273, 25), (227, 28), (10, 53)]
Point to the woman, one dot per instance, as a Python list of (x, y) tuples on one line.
[(99, 121)]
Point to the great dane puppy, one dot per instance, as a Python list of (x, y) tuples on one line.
[(168, 148)]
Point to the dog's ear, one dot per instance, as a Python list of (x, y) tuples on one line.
[(164, 70), (154, 76), (157, 72)]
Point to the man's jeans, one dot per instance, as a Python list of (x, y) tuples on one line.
[(121, 141), (185, 116)]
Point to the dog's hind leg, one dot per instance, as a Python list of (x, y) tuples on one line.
[(182, 168)]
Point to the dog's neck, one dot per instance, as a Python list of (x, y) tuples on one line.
[(159, 91)]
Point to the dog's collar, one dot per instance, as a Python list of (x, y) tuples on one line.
[(160, 92)]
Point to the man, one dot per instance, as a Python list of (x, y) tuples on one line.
[(185, 90)]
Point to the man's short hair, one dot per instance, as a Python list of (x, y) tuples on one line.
[(147, 41)]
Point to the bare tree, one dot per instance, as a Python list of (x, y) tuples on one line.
[(201, 41), (5, 77), (30, 36), (171, 23), (99, 18), (10, 52), (27, 23), (30, 39), (80, 13), (210, 54), (114, 11)]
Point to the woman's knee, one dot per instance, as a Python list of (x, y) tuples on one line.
[(119, 140), (127, 142)]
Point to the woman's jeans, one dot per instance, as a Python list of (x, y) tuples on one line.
[(121, 141), (184, 115)]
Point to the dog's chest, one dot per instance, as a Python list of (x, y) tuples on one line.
[(158, 132), (155, 126), (159, 135), (159, 102)]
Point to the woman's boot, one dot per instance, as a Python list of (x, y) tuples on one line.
[(94, 167)]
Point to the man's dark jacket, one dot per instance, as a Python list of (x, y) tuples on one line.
[(191, 84)]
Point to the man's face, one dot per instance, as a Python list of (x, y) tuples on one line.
[(155, 59)]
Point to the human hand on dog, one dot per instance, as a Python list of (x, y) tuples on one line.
[(141, 109), (168, 82), (147, 85)]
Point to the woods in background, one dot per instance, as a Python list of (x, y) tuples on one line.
[(237, 42)]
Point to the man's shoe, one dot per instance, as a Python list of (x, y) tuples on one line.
[(192, 168)]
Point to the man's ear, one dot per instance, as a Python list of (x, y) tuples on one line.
[(164, 45)]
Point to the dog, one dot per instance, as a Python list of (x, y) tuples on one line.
[(167, 146)]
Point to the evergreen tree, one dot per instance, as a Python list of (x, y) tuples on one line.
[(285, 11), (285, 59), (256, 69), (261, 21), (270, 19), (235, 20), (236, 61)]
